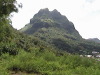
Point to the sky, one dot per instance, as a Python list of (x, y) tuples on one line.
[(85, 14)]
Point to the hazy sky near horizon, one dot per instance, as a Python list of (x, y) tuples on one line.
[(85, 14)]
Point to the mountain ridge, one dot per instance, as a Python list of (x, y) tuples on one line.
[(94, 40)]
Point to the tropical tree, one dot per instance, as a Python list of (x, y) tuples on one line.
[(7, 7)]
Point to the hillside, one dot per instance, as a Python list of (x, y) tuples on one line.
[(25, 55), (21, 54), (12, 41), (94, 39), (56, 30)]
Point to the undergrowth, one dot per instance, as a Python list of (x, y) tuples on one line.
[(47, 62)]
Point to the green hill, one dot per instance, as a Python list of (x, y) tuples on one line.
[(56, 30)]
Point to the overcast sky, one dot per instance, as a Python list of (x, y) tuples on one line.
[(85, 14)]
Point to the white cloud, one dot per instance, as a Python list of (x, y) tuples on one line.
[(85, 14)]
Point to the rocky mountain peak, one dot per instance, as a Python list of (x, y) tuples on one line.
[(44, 11), (51, 19)]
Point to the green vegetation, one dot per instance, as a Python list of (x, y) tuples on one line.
[(7, 7), (7, 34), (47, 62), (29, 55)]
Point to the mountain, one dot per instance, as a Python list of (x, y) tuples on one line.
[(55, 29), (50, 19), (94, 40)]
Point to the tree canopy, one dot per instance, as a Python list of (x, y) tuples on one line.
[(7, 7)]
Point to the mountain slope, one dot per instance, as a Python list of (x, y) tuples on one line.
[(94, 39), (56, 30)]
